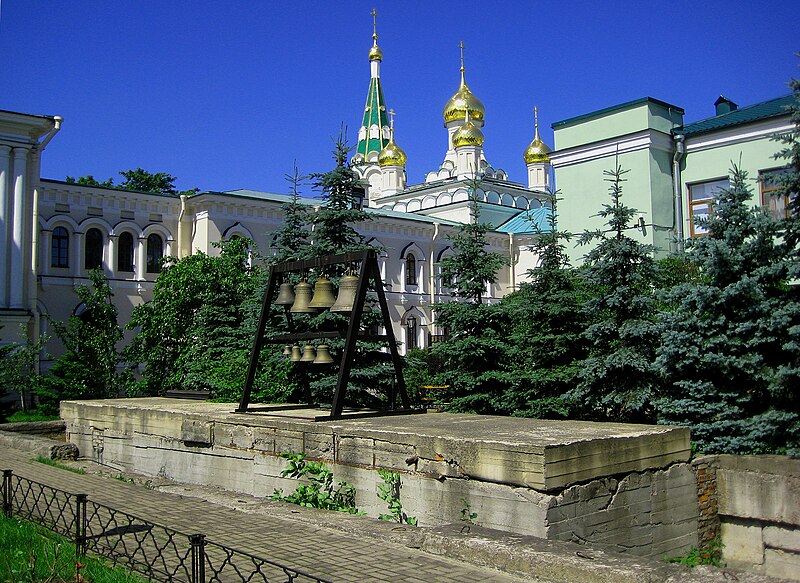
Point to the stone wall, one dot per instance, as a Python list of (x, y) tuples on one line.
[(631, 498), (757, 511)]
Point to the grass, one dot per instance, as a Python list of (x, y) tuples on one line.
[(48, 462), (710, 554), (31, 554), (29, 416)]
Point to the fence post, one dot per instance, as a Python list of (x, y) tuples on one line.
[(80, 523), (198, 558), (7, 492)]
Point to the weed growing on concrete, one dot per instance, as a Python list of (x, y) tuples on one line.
[(389, 492), (48, 462), (709, 554), (319, 492), (466, 515)]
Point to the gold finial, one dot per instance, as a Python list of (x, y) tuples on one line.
[(536, 119), (461, 49), (391, 121), (374, 25), (537, 151), (392, 154)]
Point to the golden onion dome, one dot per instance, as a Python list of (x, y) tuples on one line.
[(392, 155), (537, 150), (375, 53), (462, 102), (468, 135)]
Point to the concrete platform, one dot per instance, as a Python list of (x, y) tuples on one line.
[(625, 485)]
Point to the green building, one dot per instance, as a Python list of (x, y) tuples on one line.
[(673, 170)]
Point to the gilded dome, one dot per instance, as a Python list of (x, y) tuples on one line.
[(468, 135), (392, 155), (375, 53), (462, 102), (537, 151)]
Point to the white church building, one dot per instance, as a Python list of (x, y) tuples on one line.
[(54, 232)]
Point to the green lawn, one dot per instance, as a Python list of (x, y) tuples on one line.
[(31, 554)]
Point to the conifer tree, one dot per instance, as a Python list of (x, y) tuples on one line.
[(293, 237), (730, 343), (618, 378), (546, 328)]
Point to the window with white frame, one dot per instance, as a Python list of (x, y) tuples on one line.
[(411, 332), (59, 248), (155, 251), (125, 253), (776, 202), (93, 249), (701, 201)]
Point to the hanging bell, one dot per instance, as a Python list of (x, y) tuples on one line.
[(323, 355), (285, 295), (296, 354), (302, 299), (348, 286), (287, 350), (309, 354), (323, 294)]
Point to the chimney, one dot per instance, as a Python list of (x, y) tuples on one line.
[(724, 105)]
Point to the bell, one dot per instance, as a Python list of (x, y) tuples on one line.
[(285, 295), (323, 355), (348, 286), (309, 354), (296, 354), (302, 298), (287, 350), (323, 294)]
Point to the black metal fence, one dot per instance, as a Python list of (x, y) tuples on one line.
[(156, 551)]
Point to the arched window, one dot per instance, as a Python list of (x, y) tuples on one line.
[(411, 332), (59, 251), (155, 251), (125, 252), (411, 269), (93, 252)]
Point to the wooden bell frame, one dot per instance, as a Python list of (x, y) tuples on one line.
[(368, 277)]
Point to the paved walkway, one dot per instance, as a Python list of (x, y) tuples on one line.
[(323, 552)]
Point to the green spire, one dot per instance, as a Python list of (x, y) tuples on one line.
[(373, 134)]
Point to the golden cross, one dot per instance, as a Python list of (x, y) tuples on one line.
[(536, 116), (374, 23), (461, 46), (391, 118)]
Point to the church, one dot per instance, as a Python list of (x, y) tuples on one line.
[(54, 232)]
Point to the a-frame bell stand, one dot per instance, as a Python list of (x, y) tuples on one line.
[(368, 277)]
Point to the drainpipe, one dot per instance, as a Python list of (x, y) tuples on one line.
[(677, 157), (433, 274), (33, 295), (182, 229), (512, 268)]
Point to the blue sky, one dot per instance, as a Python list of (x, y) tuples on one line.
[(226, 95)]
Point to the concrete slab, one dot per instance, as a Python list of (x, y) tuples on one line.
[(542, 454)]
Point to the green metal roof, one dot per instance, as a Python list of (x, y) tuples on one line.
[(374, 114), (528, 222), (621, 106), (748, 114)]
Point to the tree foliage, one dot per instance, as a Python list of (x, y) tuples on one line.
[(88, 369), (137, 179), (730, 348), (618, 378)]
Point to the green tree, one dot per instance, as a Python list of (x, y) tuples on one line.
[(90, 180), (618, 379), (731, 342), (196, 333), (547, 323), (88, 369), (19, 370), (292, 239), (333, 222), (790, 180), (472, 266)]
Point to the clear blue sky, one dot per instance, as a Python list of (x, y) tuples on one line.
[(226, 95)]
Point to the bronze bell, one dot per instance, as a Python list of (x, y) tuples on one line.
[(285, 295), (287, 350), (309, 354), (323, 355), (323, 294), (348, 286), (302, 299), (296, 354)]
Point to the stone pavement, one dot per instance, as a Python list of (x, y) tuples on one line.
[(323, 552)]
